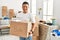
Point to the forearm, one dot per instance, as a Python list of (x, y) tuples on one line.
[(33, 27)]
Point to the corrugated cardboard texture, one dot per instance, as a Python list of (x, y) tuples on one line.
[(4, 10), (36, 31), (43, 29), (11, 13), (35, 38), (20, 28)]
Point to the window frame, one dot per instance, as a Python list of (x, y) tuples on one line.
[(47, 10)]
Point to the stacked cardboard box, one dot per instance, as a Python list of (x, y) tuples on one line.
[(43, 31), (4, 10), (11, 13)]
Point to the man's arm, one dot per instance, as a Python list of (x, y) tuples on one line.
[(33, 23), (33, 27)]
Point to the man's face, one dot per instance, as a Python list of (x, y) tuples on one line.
[(25, 7)]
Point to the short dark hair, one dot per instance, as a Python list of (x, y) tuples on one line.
[(25, 3)]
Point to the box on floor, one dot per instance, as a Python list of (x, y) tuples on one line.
[(43, 30)]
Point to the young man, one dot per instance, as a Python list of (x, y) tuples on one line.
[(26, 16)]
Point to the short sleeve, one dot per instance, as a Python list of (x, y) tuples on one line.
[(32, 17)]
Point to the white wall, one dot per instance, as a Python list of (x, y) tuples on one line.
[(57, 10)]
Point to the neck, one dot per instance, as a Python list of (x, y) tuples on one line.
[(25, 11)]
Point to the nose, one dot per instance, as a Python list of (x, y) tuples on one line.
[(25, 8)]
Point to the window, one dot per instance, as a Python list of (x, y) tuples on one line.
[(47, 10), (33, 7)]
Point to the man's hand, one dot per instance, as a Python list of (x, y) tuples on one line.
[(30, 32), (32, 29)]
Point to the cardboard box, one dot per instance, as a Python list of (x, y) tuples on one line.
[(20, 28), (4, 10), (43, 30), (35, 38), (36, 31), (11, 13)]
